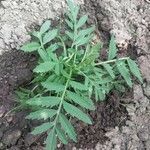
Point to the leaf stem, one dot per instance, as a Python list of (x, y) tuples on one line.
[(111, 61), (85, 53), (65, 51), (41, 42), (62, 99)]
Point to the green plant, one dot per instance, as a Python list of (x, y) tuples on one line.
[(69, 73)]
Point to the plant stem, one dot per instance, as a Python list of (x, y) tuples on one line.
[(41, 43), (65, 51), (111, 61), (62, 99), (85, 53), (76, 48)]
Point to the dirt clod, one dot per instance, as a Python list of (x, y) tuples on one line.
[(11, 137)]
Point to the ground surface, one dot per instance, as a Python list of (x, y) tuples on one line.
[(114, 128)]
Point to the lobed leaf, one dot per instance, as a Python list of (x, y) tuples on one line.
[(112, 48), (46, 101), (43, 54), (75, 112), (71, 5), (53, 86), (83, 40), (70, 35), (75, 13), (52, 48), (44, 67), (51, 141), (61, 135), (30, 47), (82, 101), (85, 32), (36, 34), (69, 23), (82, 21), (50, 36), (57, 68), (109, 70), (42, 128), (45, 26), (79, 86), (42, 114), (134, 69), (119, 87), (69, 129), (124, 72)]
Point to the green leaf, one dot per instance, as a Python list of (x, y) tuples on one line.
[(43, 54), (101, 95), (61, 135), (79, 86), (71, 5), (51, 141), (69, 15), (30, 47), (44, 67), (42, 114), (135, 70), (46, 101), (36, 34), (109, 70), (69, 23), (69, 129), (93, 53), (38, 78), (82, 21), (50, 36), (52, 86), (104, 80), (70, 35), (83, 40), (45, 26), (112, 48), (42, 128), (57, 68), (85, 32), (124, 72), (119, 87), (82, 101), (75, 112), (52, 48), (76, 11)]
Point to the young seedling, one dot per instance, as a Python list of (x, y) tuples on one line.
[(69, 73)]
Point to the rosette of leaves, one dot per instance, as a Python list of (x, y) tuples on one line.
[(69, 72)]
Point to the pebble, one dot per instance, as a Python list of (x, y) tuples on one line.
[(11, 137)]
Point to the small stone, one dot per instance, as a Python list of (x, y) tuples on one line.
[(131, 109), (148, 1), (11, 137), (9, 118), (1, 134), (148, 143), (147, 90), (144, 62), (14, 148), (30, 139), (2, 111), (1, 146), (143, 134)]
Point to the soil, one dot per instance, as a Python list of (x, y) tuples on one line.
[(122, 122), (16, 70)]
